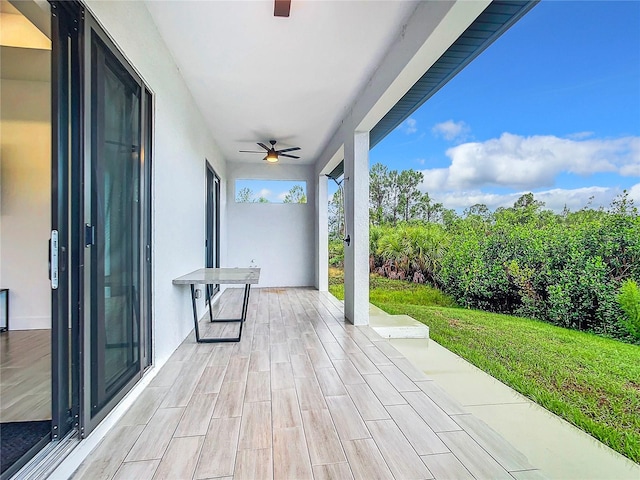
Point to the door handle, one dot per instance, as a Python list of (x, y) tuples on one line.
[(89, 235), (53, 259)]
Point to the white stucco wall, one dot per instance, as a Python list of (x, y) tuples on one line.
[(181, 144), (279, 238), (25, 201), (321, 234)]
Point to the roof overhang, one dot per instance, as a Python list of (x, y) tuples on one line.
[(494, 20)]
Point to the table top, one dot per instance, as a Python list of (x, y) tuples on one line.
[(227, 276)]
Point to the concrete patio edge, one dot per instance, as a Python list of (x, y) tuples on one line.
[(559, 449)]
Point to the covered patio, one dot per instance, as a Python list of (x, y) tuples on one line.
[(311, 390), (303, 395)]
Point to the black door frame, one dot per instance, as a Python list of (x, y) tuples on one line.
[(66, 123), (90, 418), (71, 30), (212, 223), (66, 183)]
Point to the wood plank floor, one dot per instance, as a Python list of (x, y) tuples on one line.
[(304, 395), (25, 375)]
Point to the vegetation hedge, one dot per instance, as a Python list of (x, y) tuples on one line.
[(572, 269)]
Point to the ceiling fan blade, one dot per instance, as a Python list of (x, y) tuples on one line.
[(281, 8), (249, 151), (287, 155), (263, 146), (288, 149)]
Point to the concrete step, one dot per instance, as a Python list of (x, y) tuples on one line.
[(396, 326)]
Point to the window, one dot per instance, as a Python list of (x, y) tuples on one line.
[(271, 191)]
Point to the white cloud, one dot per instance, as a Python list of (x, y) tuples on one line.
[(580, 135), (451, 130), (577, 198), (264, 193), (555, 199), (531, 162), (435, 180), (634, 193), (462, 200), (630, 170), (410, 126)]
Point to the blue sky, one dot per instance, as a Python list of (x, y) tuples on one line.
[(552, 107)]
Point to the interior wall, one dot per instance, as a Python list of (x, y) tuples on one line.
[(182, 142), (278, 238), (25, 200)]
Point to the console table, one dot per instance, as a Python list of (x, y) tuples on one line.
[(222, 276)]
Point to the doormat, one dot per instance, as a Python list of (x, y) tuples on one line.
[(17, 438)]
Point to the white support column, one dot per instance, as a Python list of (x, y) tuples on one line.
[(322, 237), (356, 254)]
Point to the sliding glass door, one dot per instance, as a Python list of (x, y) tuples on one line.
[(65, 251), (66, 371), (117, 230)]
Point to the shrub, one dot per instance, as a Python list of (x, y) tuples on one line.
[(572, 269), (336, 253), (629, 301)]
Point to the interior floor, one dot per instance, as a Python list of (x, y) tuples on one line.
[(25, 375)]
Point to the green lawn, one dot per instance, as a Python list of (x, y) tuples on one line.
[(590, 381)]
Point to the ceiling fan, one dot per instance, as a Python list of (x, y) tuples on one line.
[(272, 153)]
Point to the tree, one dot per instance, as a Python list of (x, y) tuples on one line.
[(623, 205), (527, 202), (394, 196), (428, 210), (244, 195), (336, 216), (477, 210), (449, 217), (408, 193), (295, 195), (378, 192), (525, 210)]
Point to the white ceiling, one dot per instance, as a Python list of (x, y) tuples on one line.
[(257, 77), (25, 51), (16, 30)]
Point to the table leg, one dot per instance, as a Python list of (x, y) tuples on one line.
[(245, 302), (241, 320), (208, 293), (195, 312)]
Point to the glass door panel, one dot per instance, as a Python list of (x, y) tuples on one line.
[(115, 233)]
